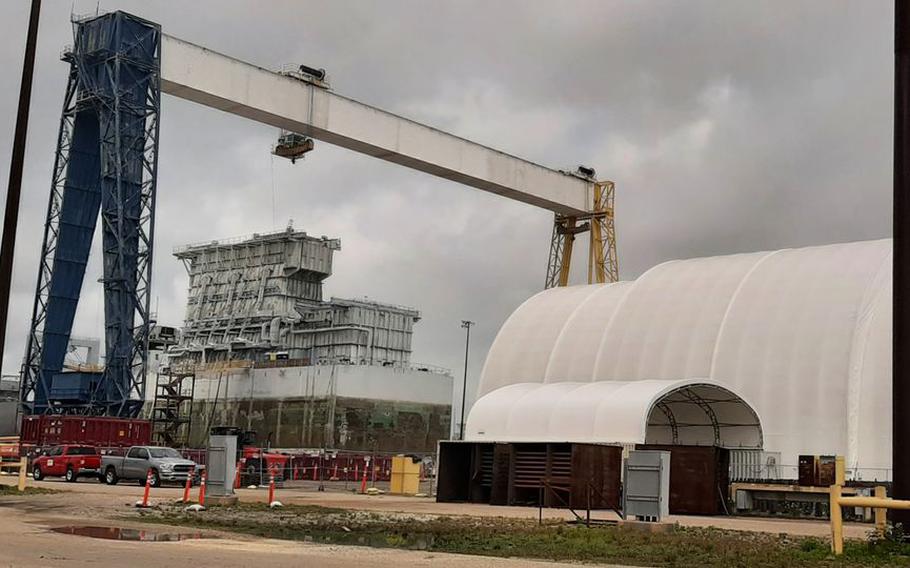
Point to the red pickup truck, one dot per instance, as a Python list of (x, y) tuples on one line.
[(67, 461)]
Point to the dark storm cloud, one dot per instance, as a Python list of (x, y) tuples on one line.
[(727, 126)]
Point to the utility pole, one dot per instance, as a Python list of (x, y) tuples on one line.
[(464, 385), (900, 377), (14, 189)]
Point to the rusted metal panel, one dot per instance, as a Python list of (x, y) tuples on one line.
[(699, 478), (481, 473), (454, 476), (827, 470), (502, 475), (467, 472), (596, 475), (559, 475), (808, 470), (562, 474)]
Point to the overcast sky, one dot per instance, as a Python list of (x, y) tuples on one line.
[(727, 127)]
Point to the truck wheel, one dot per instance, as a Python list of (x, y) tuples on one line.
[(156, 479), (70, 474), (37, 474), (110, 476)]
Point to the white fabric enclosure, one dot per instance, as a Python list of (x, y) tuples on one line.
[(656, 412), (802, 336)]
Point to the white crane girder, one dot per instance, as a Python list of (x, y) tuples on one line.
[(209, 78)]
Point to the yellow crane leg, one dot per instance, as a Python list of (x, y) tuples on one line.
[(567, 245), (602, 263)]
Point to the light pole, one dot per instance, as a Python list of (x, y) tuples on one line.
[(14, 189), (464, 385)]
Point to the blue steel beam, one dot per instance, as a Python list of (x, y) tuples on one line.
[(107, 160)]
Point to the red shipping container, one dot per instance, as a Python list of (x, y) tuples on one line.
[(49, 430)]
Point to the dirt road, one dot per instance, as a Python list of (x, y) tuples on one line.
[(27, 539), (99, 495), (27, 542)]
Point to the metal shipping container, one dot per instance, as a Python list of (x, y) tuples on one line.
[(47, 430), (551, 474)]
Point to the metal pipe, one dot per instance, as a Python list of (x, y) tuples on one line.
[(873, 503), (14, 190), (464, 385), (900, 384)]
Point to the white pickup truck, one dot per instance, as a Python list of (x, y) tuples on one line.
[(166, 464)]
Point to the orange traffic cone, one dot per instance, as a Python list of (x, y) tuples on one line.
[(189, 483), (148, 487), (202, 489)]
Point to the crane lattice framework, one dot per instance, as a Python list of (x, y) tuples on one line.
[(107, 159), (602, 262), (106, 162)]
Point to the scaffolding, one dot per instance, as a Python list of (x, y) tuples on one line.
[(172, 410)]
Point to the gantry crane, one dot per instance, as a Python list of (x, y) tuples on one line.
[(106, 163)]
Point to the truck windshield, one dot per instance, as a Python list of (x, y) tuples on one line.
[(164, 453)]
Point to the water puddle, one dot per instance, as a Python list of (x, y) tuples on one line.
[(117, 533)]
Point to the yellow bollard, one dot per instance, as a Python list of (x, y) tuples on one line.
[(23, 472), (881, 513), (837, 521)]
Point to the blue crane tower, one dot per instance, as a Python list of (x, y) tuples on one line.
[(106, 162)]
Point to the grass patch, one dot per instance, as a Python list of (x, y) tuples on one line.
[(523, 538), (13, 490)]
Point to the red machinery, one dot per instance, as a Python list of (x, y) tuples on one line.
[(256, 462)]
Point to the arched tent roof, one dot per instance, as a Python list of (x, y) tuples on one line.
[(655, 411), (802, 334)]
